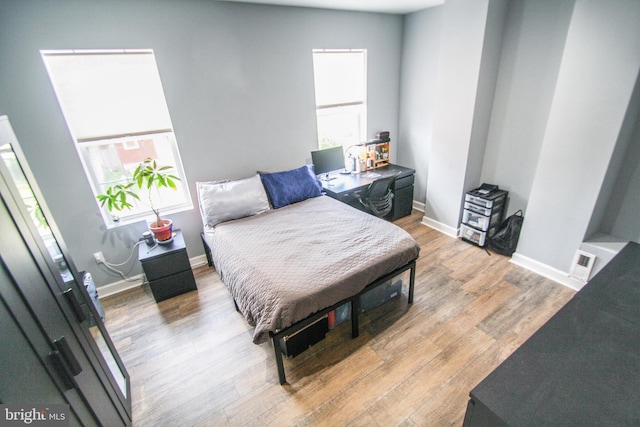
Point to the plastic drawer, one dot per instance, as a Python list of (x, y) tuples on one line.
[(472, 235), (481, 222), (478, 201), (477, 209)]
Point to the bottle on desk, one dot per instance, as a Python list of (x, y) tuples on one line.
[(350, 164)]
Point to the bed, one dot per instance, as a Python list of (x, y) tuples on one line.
[(289, 255)]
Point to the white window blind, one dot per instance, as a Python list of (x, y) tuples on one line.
[(340, 81), (339, 77), (109, 93)]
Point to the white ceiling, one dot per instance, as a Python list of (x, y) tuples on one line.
[(382, 6)]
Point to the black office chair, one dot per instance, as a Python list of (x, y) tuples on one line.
[(377, 198)]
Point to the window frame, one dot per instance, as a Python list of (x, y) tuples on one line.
[(358, 107), (84, 146)]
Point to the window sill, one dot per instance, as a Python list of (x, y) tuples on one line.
[(148, 217)]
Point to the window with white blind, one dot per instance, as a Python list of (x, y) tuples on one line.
[(340, 78), (115, 108)]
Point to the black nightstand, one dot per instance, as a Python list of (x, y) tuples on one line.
[(167, 268)]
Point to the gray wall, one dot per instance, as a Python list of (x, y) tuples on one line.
[(239, 85), (591, 99), (622, 217), (459, 62), (419, 72), (531, 53), (562, 104), (487, 80), (616, 215)]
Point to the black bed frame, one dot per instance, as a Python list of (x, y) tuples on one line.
[(354, 301)]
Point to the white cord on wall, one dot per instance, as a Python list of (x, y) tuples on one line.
[(112, 266)]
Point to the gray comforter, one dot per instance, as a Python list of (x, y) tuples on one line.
[(283, 265)]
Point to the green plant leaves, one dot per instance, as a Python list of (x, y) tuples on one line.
[(146, 175), (116, 197)]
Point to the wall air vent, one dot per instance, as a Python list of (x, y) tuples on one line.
[(582, 265)]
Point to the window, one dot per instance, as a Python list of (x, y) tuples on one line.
[(117, 114), (340, 78)]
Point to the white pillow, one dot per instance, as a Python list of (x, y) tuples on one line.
[(226, 200)]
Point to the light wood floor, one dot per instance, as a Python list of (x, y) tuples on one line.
[(192, 361)]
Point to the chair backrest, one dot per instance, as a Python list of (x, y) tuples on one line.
[(379, 188), (378, 197)]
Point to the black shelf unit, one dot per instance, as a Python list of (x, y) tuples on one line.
[(482, 215), (167, 268)]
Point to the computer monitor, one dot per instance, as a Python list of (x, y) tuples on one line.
[(328, 160)]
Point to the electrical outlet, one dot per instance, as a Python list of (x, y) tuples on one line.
[(99, 257)]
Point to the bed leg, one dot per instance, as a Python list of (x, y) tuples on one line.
[(207, 250), (279, 362), (412, 280), (355, 310)]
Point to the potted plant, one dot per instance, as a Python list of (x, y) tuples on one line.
[(147, 175)]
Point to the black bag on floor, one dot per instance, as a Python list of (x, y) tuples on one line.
[(505, 240)]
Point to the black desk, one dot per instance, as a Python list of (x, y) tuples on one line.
[(343, 187), (582, 368)]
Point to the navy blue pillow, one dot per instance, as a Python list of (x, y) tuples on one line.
[(291, 186)]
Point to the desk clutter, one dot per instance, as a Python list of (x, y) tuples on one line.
[(368, 156), (357, 158)]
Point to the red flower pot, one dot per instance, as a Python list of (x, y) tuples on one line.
[(162, 232)]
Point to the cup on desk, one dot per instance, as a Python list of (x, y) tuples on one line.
[(147, 236)]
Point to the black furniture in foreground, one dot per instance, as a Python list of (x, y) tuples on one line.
[(57, 360), (167, 268), (582, 368), (343, 187)]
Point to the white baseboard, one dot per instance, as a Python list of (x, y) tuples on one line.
[(125, 285), (547, 271), (120, 286), (198, 261), (418, 206), (443, 228)]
